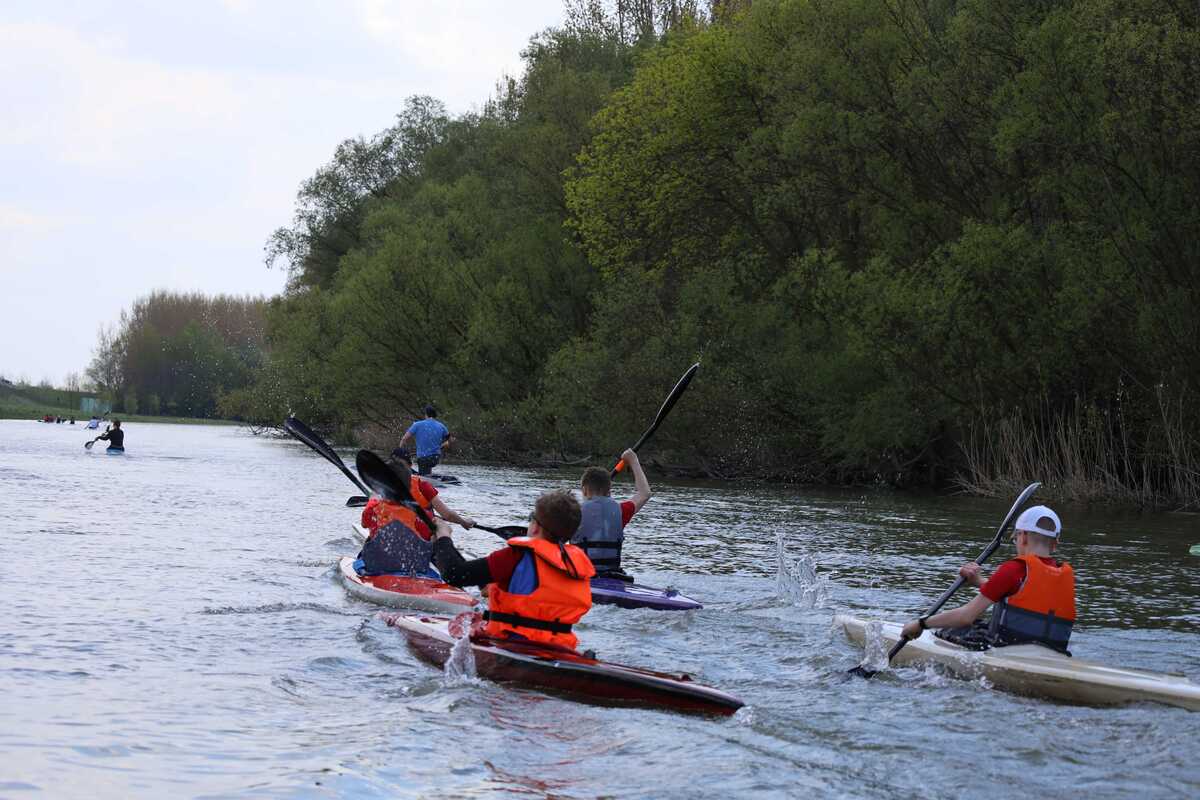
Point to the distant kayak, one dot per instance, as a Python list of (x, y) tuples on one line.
[(401, 591), (1031, 669), (93, 425), (567, 671), (1195, 551)]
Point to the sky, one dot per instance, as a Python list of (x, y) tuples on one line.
[(156, 145)]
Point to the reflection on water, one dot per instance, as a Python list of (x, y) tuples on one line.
[(173, 627)]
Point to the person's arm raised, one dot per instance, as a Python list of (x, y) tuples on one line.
[(641, 486)]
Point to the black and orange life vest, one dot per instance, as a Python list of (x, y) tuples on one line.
[(386, 511), (1042, 610), (562, 595)]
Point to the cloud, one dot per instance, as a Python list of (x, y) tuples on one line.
[(105, 108)]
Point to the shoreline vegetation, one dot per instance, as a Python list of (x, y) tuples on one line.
[(943, 245)]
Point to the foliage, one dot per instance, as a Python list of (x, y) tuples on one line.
[(881, 224), (177, 354)]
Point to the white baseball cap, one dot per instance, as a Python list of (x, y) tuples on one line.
[(1039, 519)]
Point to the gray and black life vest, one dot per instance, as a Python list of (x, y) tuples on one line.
[(600, 533)]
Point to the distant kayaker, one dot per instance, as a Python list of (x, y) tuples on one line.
[(431, 437), (399, 542), (538, 586), (1034, 594), (602, 529), (114, 436)]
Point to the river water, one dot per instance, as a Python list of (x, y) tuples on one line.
[(172, 626)]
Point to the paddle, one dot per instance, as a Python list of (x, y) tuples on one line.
[(667, 405), (305, 434), (504, 531), (88, 445), (863, 672)]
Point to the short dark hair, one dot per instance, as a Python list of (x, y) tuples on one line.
[(558, 514), (597, 479), (430, 411)]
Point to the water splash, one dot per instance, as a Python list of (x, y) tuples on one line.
[(796, 579), (460, 666), (875, 647)]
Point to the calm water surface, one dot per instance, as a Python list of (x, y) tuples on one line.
[(170, 626)]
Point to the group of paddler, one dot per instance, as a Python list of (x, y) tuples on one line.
[(542, 582), (538, 584)]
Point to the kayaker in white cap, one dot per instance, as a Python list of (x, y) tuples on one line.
[(1034, 594)]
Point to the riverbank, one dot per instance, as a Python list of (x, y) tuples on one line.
[(35, 413)]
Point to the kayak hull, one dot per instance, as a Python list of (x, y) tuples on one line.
[(398, 591), (612, 591), (1034, 670), (561, 671)]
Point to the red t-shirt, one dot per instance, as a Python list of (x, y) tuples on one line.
[(368, 513), (502, 562), (1007, 578)]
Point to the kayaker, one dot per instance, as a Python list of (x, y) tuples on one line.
[(1034, 594), (602, 529), (399, 542), (430, 437), (114, 436), (538, 586)]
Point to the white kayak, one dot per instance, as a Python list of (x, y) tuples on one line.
[(399, 591), (1031, 669)]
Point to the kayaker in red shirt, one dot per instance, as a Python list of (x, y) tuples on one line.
[(1034, 594), (538, 585), (398, 542), (425, 493), (602, 527)]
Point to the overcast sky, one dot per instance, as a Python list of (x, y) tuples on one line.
[(149, 145)]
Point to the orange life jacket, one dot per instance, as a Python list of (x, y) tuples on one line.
[(386, 511), (1042, 609), (562, 596)]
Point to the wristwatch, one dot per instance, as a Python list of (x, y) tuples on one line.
[(923, 623)]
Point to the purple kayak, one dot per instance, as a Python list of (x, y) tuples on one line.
[(614, 591)]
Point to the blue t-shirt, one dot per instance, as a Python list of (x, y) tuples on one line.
[(429, 435)]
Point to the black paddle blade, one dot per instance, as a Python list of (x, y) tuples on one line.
[(357, 501), (665, 409), (382, 479), (505, 531), (863, 672)]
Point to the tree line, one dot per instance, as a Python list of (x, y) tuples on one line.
[(180, 354), (911, 241)]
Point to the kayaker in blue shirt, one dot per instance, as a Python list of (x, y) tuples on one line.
[(602, 529), (431, 437)]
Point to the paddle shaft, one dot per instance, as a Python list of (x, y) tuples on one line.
[(665, 409), (984, 556), (305, 434)]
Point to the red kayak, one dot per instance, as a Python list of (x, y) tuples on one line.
[(559, 669), (403, 591)]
